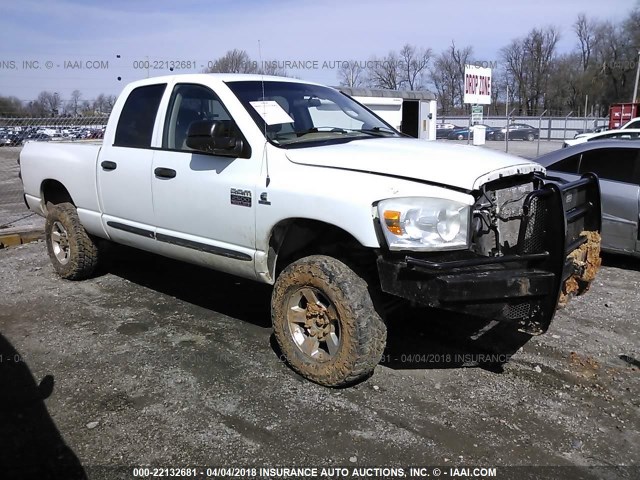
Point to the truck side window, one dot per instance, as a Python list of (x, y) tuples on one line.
[(189, 103), (617, 164), (135, 126)]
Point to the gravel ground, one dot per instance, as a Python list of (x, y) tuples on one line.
[(156, 362), (14, 216)]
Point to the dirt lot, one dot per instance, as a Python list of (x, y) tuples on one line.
[(158, 363), (155, 362)]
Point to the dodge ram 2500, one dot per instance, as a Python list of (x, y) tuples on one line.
[(297, 185)]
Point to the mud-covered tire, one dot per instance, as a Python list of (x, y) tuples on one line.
[(73, 252), (361, 331)]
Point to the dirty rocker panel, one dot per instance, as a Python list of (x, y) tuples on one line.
[(526, 286), (203, 247)]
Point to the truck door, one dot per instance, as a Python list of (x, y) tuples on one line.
[(124, 170), (204, 204)]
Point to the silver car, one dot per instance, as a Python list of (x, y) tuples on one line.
[(617, 164)]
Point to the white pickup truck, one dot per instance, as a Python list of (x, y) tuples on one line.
[(295, 184)]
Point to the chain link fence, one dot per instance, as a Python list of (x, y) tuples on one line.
[(15, 131), (550, 128)]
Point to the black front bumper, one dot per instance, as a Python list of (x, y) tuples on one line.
[(524, 286)]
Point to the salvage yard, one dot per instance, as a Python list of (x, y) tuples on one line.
[(154, 362)]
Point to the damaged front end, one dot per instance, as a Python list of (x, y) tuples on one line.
[(535, 244)]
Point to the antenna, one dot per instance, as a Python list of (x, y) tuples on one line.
[(266, 142)]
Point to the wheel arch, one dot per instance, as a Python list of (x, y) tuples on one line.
[(53, 191), (293, 238)]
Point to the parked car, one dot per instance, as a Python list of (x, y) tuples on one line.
[(444, 129), (589, 131), (617, 164), (634, 123), (40, 137), (11, 140), (446, 126), (463, 132), (518, 131), (295, 185), (620, 134)]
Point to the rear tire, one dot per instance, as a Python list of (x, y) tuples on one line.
[(325, 322), (73, 252)]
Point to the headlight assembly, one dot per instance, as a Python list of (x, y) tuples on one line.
[(424, 224)]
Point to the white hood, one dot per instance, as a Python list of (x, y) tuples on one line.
[(464, 167)]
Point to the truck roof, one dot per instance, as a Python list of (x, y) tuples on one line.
[(221, 77)]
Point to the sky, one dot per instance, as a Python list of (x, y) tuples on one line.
[(98, 47)]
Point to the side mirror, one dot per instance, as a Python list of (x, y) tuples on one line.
[(219, 137)]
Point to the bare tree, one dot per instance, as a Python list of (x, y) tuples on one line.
[(514, 68), (414, 63), (351, 74), (234, 61), (585, 30), (460, 57), (11, 107), (110, 101), (527, 64), (447, 76), (386, 72), (86, 109), (73, 105), (46, 104)]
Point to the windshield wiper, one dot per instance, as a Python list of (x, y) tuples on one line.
[(374, 131), (378, 131), (325, 129)]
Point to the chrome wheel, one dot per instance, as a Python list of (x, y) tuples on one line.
[(60, 243), (313, 324)]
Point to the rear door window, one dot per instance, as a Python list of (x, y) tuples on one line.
[(617, 164), (135, 125)]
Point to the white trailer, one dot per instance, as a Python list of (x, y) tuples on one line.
[(410, 112)]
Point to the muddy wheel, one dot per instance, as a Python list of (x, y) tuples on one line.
[(73, 253), (325, 322)]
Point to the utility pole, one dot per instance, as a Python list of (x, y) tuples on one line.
[(635, 89), (506, 113)]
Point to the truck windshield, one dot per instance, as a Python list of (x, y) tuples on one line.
[(296, 114)]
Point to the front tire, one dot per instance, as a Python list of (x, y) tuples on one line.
[(73, 253), (531, 137), (325, 322)]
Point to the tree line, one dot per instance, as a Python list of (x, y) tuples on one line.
[(49, 104), (530, 74)]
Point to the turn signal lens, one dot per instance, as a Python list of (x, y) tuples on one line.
[(392, 221)]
